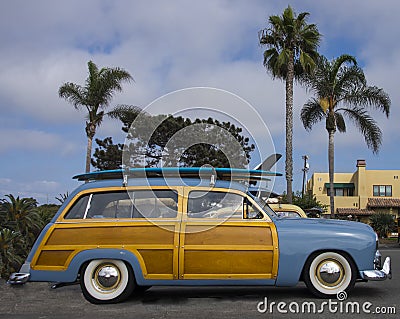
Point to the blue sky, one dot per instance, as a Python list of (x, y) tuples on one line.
[(167, 46)]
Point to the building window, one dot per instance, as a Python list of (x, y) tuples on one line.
[(341, 192), (396, 177), (383, 190)]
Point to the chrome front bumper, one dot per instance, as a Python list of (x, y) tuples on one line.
[(18, 278), (379, 273)]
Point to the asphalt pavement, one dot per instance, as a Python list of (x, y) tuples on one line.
[(372, 300)]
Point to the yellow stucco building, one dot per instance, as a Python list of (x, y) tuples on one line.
[(360, 194)]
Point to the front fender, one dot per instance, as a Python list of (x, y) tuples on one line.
[(299, 238)]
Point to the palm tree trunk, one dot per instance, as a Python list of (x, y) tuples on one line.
[(90, 133), (88, 153), (289, 128), (331, 159)]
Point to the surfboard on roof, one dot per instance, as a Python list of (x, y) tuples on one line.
[(182, 172)]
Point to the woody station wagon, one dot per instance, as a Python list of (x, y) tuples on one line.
[(124, 231)]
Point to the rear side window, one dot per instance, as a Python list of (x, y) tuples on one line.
[(134, 204), (78, 210)]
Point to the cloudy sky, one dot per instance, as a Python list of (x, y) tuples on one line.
[(168, 46)]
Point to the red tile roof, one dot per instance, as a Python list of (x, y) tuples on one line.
[(354, 211), (383, 202)]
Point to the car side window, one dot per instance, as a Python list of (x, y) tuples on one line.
[(155, 204), (78, 209), (252, 212), (135, 204), (109, 205), (220, 205), (285, 214)]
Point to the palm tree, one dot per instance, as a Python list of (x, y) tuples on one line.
[(291, 50), (8, 255), (341, 91), (22, 217), (62, 197), (95, 96)]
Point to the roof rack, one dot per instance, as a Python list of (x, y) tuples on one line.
[(182, 172)]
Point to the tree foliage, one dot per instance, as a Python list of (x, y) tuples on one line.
[(21, 220), (306, 202), (382, 223), (175, 141), (107, 155)]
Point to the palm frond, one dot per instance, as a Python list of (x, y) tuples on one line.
[(318, 81), (340, 123), (74, 94), (367, 126), (311, 113), (122, 111), (93, 73), (109, 82), (302, 17), (307, 62), (349, 79), (288, 15), (271, 58), (371, 96), (344, 59)]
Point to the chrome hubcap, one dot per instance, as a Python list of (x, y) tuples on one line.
[(106, 277), (330, 273)]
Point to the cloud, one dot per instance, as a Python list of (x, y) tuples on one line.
[(42, 190), (33, 140)]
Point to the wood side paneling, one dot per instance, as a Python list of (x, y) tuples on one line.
[(227, 235)]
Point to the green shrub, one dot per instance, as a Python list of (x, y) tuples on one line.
[(383, 223)]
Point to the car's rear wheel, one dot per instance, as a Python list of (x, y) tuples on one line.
[(106, 281), (329, 273)]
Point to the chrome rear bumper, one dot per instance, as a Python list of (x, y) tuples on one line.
[(379, 274), (18, 278)]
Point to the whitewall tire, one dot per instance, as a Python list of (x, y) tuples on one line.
[(106, 281), (328, 273)]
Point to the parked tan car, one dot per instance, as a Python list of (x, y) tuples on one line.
[(288, 210)]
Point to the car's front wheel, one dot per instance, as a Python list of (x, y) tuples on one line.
[(106, 281), (327, 274)]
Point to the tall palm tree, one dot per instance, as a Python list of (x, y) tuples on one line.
[(291, 50), (341, 91), (95, 96)]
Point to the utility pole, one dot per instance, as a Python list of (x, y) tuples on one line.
[(305, 170)]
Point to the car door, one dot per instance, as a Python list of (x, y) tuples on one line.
[(225, 235)]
